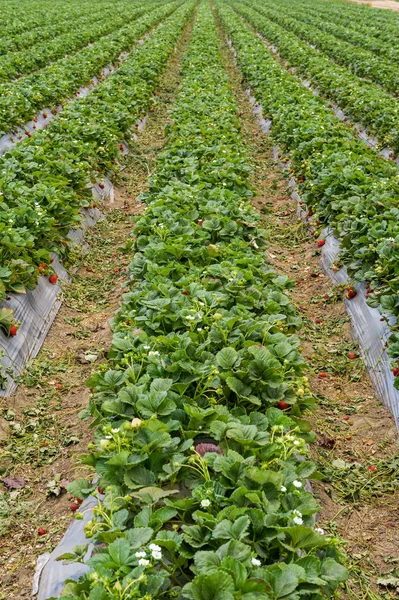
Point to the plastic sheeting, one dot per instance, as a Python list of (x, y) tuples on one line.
[(50, 576), (361, 131), (37, 309), (368, 329)]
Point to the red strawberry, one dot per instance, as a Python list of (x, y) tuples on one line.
[(351, 355), (51, 260), (185, 293), (53, 278), (42, 267), (395, 371), (13, 330), (101, 186), (350, 292), (321, 243), (121, 148), (45, 115), (94, 206), (282, 405), (27, 133), (372, 468), (99, 490), (79, 500), (319, 321), (41, 531), (200, 222), (346, 417), (73, 507), (322, 375), (59, 386)]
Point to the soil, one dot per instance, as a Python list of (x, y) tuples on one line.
[(41, 434), (351, 423), (387, 4)]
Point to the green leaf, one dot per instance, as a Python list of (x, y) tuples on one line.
[(119, 551), (206, 561), (227, 358), (215, 586), (81, 488), (139, 536)]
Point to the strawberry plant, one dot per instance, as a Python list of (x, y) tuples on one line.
[(203, 473), (346, 185), (41, 195)]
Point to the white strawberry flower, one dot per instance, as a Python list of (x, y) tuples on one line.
[(140, 554), (143, 562), (205, 503), (157, 555), (256, 562), (319, 530), (155, 548), (298, 520), (283, 488), (297, 484)]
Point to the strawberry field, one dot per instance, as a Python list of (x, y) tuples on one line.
[(205, 419)]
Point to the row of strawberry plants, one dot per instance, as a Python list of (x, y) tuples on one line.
[(84, 31), (361, 62), (387, 46), (67, 18), (346, 184), (375, 23), (363, 101), (45, 179), (199, 430), (20, 100), (25, 15)]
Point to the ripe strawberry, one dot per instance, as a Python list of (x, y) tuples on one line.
[(51, 260), (372, 468), (351, 355), (321, 243), (185, 293), (101, 186), (27, 133), (121, 148), (350, 292), (94, 206), (395, 371), (41, 531), (59, 386), (79, 501), (292, 252), (73, 507), (346, 417), (322, 375), (319, 321), (13, 330), (282, 405), (99, 490), (310, 214), (53, 278), (200, 222), (42, 267)]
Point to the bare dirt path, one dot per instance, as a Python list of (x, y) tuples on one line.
[(387, 4), (41, 435), (356, 449)]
